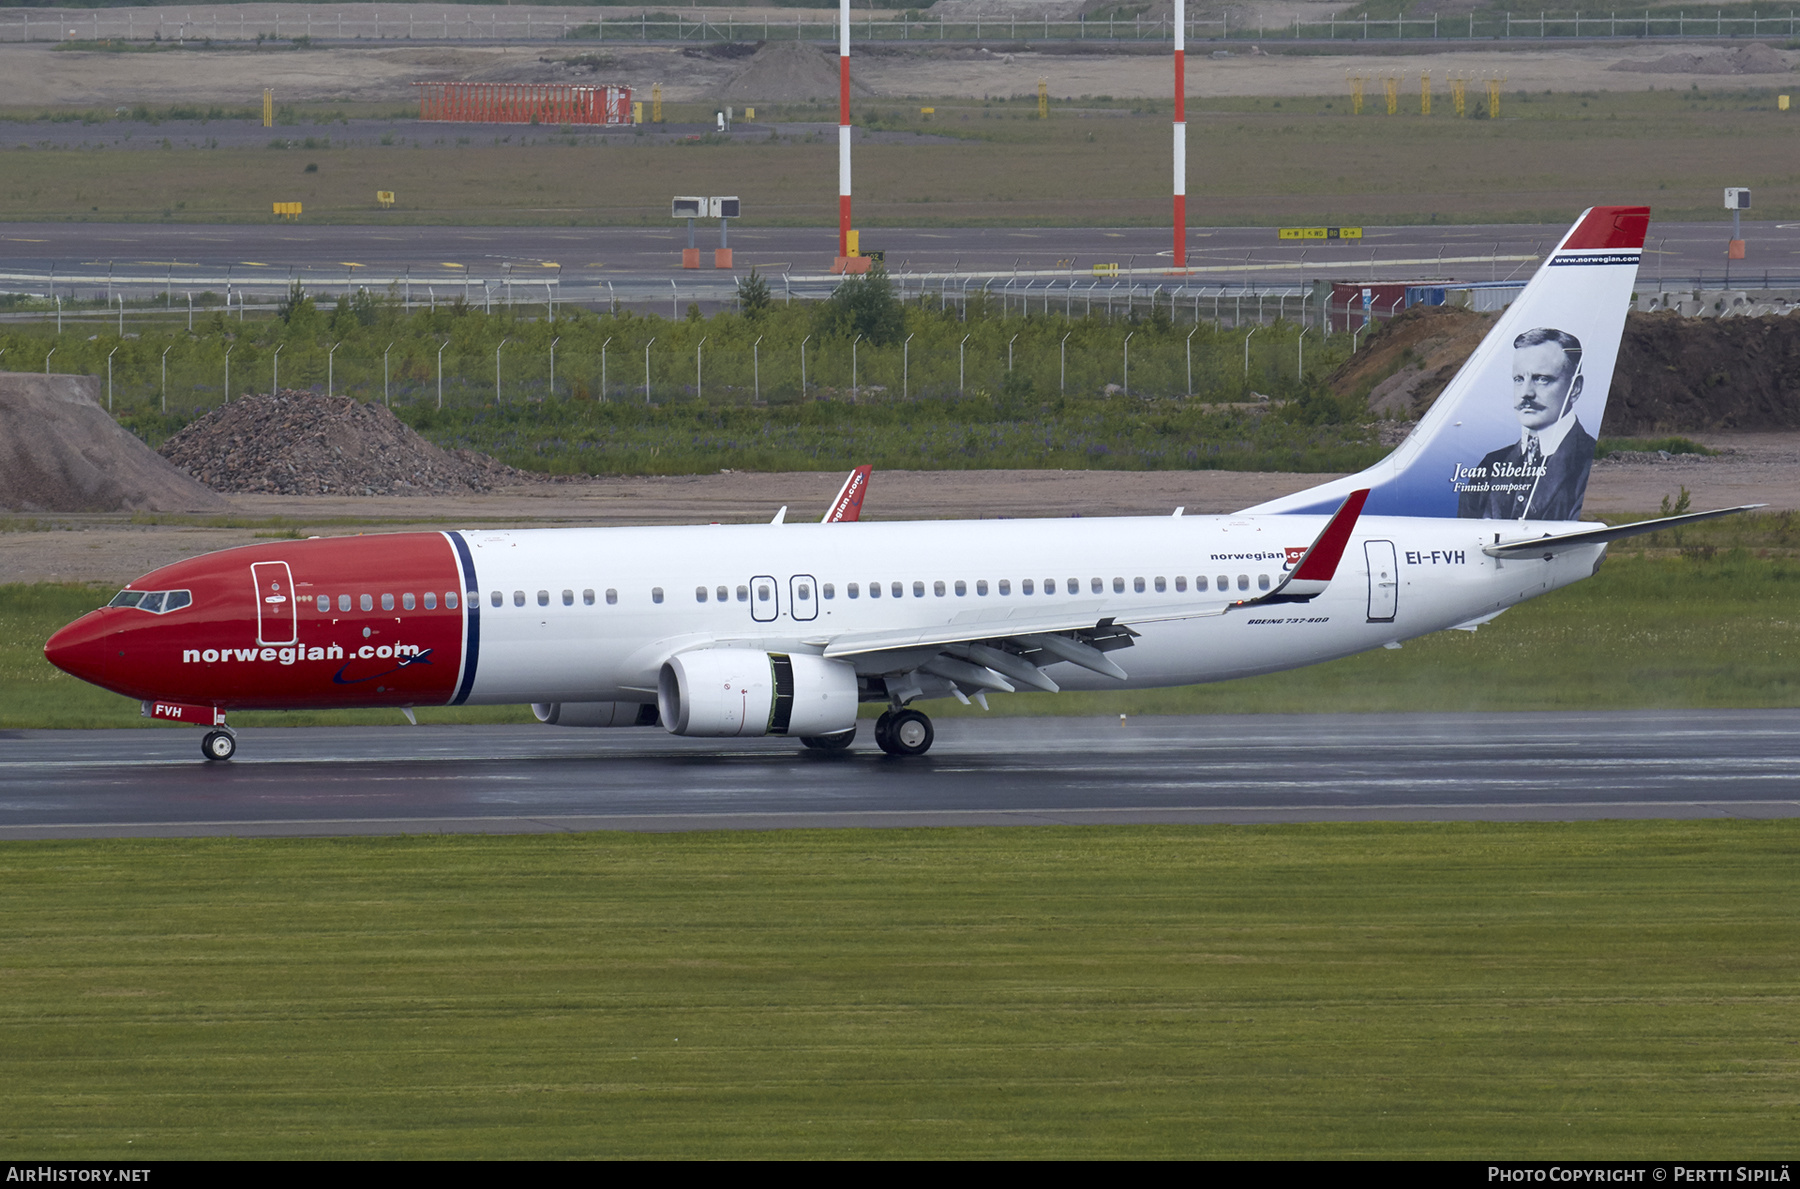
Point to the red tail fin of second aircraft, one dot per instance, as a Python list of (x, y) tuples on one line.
[(848, 504)]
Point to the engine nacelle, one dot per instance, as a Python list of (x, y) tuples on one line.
[(595, 714), (740, 691)]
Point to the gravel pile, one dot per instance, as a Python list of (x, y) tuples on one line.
[(1755, 58), (301, 443)]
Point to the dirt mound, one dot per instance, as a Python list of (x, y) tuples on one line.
[(1755, 58), (1404, 366), (61, 452), (301, 443), (1680, 373), (1674, 374), (789, 72)]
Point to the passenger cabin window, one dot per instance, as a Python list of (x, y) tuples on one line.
[(324, 602), (937, 588), (407, 602), (1099, 586), (587, 597), (1224, 582), (918, 590), (762, 592), (343, 602), (1137, 585), (1180, 582), (1200, 582), (851, 590), (743, 594), (367, 602), (828, 590), (1262, 582), (1049, 586), (1006, 586), (699, 594), (568, 598), (723, 594), (387, 602), (656, 594), (543, 598), (981, 587), (962, 588), (431, 600), (518, 598), (874, 590), (1118, 586), (803, 592), (450, 599), (1161, 584), (612, 596), (497, 599), (1243, 582), (896, 589)]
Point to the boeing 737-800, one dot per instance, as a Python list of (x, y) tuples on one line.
[(787, 629)]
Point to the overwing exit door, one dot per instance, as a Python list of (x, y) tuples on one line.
[(277, 618), (803, 599), (1384, 580), (765, 599)]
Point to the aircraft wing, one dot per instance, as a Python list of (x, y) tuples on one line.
[(1550, 544), (993, 647)]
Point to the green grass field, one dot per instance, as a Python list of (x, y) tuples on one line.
[(1709, 621), (1593, 990), (1096, 161)]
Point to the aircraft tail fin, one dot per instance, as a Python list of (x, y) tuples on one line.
[(848, 504), (1513, 434)]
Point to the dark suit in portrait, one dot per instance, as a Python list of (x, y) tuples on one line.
[(1516, 492)]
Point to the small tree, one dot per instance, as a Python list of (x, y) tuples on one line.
[(753, 295), (296, 307), (864, 305)]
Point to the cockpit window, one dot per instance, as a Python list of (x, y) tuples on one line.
[(157, 602)]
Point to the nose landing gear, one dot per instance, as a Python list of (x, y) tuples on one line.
[(218, 745), (903, 733)]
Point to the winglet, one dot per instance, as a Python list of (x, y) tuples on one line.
[(848, 504), (1318, 565)]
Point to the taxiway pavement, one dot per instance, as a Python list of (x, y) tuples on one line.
[(1262, 768)]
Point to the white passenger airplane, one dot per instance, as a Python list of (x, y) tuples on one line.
[(787, 629)]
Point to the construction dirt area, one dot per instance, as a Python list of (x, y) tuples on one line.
[(1009, 63)]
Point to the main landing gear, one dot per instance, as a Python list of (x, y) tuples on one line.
[(218, 745), (903, 733)]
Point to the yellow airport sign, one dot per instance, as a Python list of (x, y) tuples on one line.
[(1106, 270), (384, 197), (1319, 233), (287, 210)]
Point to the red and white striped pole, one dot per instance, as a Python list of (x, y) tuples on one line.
[(1180, 133), (843, 127)]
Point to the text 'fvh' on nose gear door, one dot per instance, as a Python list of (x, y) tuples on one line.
[(276, 615)]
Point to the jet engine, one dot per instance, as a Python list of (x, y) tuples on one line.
[(595, 714), (740, 691)]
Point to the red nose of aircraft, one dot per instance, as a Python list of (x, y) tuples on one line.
[(83, 648)]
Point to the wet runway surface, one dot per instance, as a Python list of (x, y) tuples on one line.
[(1264, 768)]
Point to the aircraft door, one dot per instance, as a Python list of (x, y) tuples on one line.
[(1384, 580), (803, 597), (765, 599), (277, 618)]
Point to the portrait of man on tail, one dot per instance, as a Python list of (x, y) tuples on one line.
[(1544, 474)]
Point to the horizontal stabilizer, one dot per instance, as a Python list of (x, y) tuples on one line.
[(1549, 546)]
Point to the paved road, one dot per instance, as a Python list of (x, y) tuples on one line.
[(443, 262), (1515, 767)]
